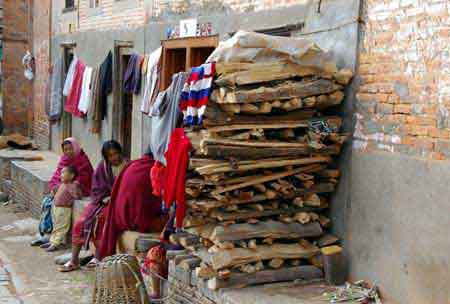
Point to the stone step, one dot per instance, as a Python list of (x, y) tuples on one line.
[(29, 179)]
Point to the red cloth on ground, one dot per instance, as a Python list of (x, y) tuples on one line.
[(78, 235), (71, 104), (177, 157), (157, 178), (132, 207), (79, 161)]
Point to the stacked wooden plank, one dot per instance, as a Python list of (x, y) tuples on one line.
[(263, 172)]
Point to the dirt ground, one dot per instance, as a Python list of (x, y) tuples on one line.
[(34, 274)]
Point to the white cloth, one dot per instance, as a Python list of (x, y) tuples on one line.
[(85, 98), (69, 77), (151, 79)]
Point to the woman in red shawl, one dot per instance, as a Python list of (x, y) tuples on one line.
[(133, 206), (89, 226), (73, 155)]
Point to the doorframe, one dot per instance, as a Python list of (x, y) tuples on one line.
[(66, 118), (120, 48)]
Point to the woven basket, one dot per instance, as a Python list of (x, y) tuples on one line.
[(118, 280)]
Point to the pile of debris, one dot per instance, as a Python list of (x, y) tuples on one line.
[(264, 165)]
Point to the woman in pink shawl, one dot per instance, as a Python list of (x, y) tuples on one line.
[(73, 155)]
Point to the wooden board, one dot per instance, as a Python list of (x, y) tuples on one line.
[(255, 214), (260, 72), (261, 164), (241, 152), (214, 116), (332, 121), (239, 280), (239, 256), (267, 229), (285, 90)]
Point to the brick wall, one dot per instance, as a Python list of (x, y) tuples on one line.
[(17, 90), (27, 189), (404, 94), (41, 51), (132, 13)]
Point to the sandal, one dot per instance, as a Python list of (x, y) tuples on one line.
[(53, 248), (92, 263), (45, 246), (68, 267)]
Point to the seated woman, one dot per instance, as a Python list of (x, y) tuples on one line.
[(74, 156), (90, 225), (132, 207)]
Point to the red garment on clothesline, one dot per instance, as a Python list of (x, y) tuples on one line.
[(73, 99), (177, 157)]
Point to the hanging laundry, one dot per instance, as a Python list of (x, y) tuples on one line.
[(163, 125), (101, 89), (152, 79), (132, 78), (85, 98), (94, 113), (70, 75), (55, 97), (196, 93), (177, 157), (73, 98)]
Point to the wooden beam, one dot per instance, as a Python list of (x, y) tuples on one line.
[(268, 229), (238, 280), (286, 90), (239, 256)]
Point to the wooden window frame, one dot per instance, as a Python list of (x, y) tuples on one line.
[(188, 44)]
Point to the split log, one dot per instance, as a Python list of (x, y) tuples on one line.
[(327, 240), (267, 276), (332, 121), (224, 274), (248, 268), (265, 179), (238, 256), (324, 221), (302, 217), (245, 215), (214, 116), (343, 76), (334, 265), (262, 72), (205, 272), (276, 263), (261, 164), (286, 90), (252, 245)]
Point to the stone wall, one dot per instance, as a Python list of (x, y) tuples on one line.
[(17, 90), (404, 94), (41, 52)]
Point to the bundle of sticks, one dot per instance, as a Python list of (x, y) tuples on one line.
[(263, 172)]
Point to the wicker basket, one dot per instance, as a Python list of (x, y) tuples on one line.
[(118, 280)]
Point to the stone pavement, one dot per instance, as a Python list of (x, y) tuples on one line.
[(33, 276)]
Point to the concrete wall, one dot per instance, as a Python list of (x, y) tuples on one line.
[(398, 222)]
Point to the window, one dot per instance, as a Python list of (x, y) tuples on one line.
[(182, 54), (70, 4), (94, 3)]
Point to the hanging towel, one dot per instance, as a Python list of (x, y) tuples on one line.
[(152, 78), (163, 125), (196, 93), (85, 99), (132, 78), (56, 91), (70, 76), (73, 99), (94, 112)]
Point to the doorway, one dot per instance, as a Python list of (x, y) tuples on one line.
[(123, 101), (66, 119)]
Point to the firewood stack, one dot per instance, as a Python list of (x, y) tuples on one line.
[(263, 171)]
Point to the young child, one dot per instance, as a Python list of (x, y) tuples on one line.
[(67, 193)]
